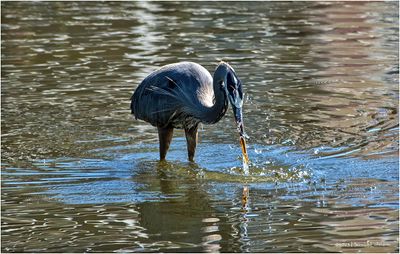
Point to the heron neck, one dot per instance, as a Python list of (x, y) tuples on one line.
[(214, 113), (218, 110)]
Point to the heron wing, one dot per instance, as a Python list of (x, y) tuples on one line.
[(170, 93)]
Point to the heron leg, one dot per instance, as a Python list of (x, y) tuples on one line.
[(191, 140), (165, 137)]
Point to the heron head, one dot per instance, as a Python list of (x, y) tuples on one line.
[(230, 83), (233, 89), (234, 92)]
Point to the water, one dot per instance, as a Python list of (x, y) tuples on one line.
[(321, 112)]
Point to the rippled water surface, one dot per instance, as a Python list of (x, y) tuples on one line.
[(321, 112)]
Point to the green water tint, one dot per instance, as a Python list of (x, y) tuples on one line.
[(79, 175)]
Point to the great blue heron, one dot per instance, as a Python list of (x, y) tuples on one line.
[(184, 94)]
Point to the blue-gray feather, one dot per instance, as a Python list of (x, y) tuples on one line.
[(178, 95)]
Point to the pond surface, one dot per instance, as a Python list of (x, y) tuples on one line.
[(79, 174)]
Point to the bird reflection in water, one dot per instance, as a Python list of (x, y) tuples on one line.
[(245, 197), (244, 220)]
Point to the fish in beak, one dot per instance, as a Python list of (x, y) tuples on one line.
[(239, 121)]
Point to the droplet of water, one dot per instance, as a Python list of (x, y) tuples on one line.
[(257, 151)]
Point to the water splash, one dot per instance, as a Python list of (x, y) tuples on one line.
[(245, 166)]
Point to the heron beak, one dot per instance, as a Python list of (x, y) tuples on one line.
[(239, 121)]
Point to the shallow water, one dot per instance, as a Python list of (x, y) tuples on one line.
[(321, 112)]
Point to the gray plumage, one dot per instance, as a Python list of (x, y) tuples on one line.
[(182, 95)]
